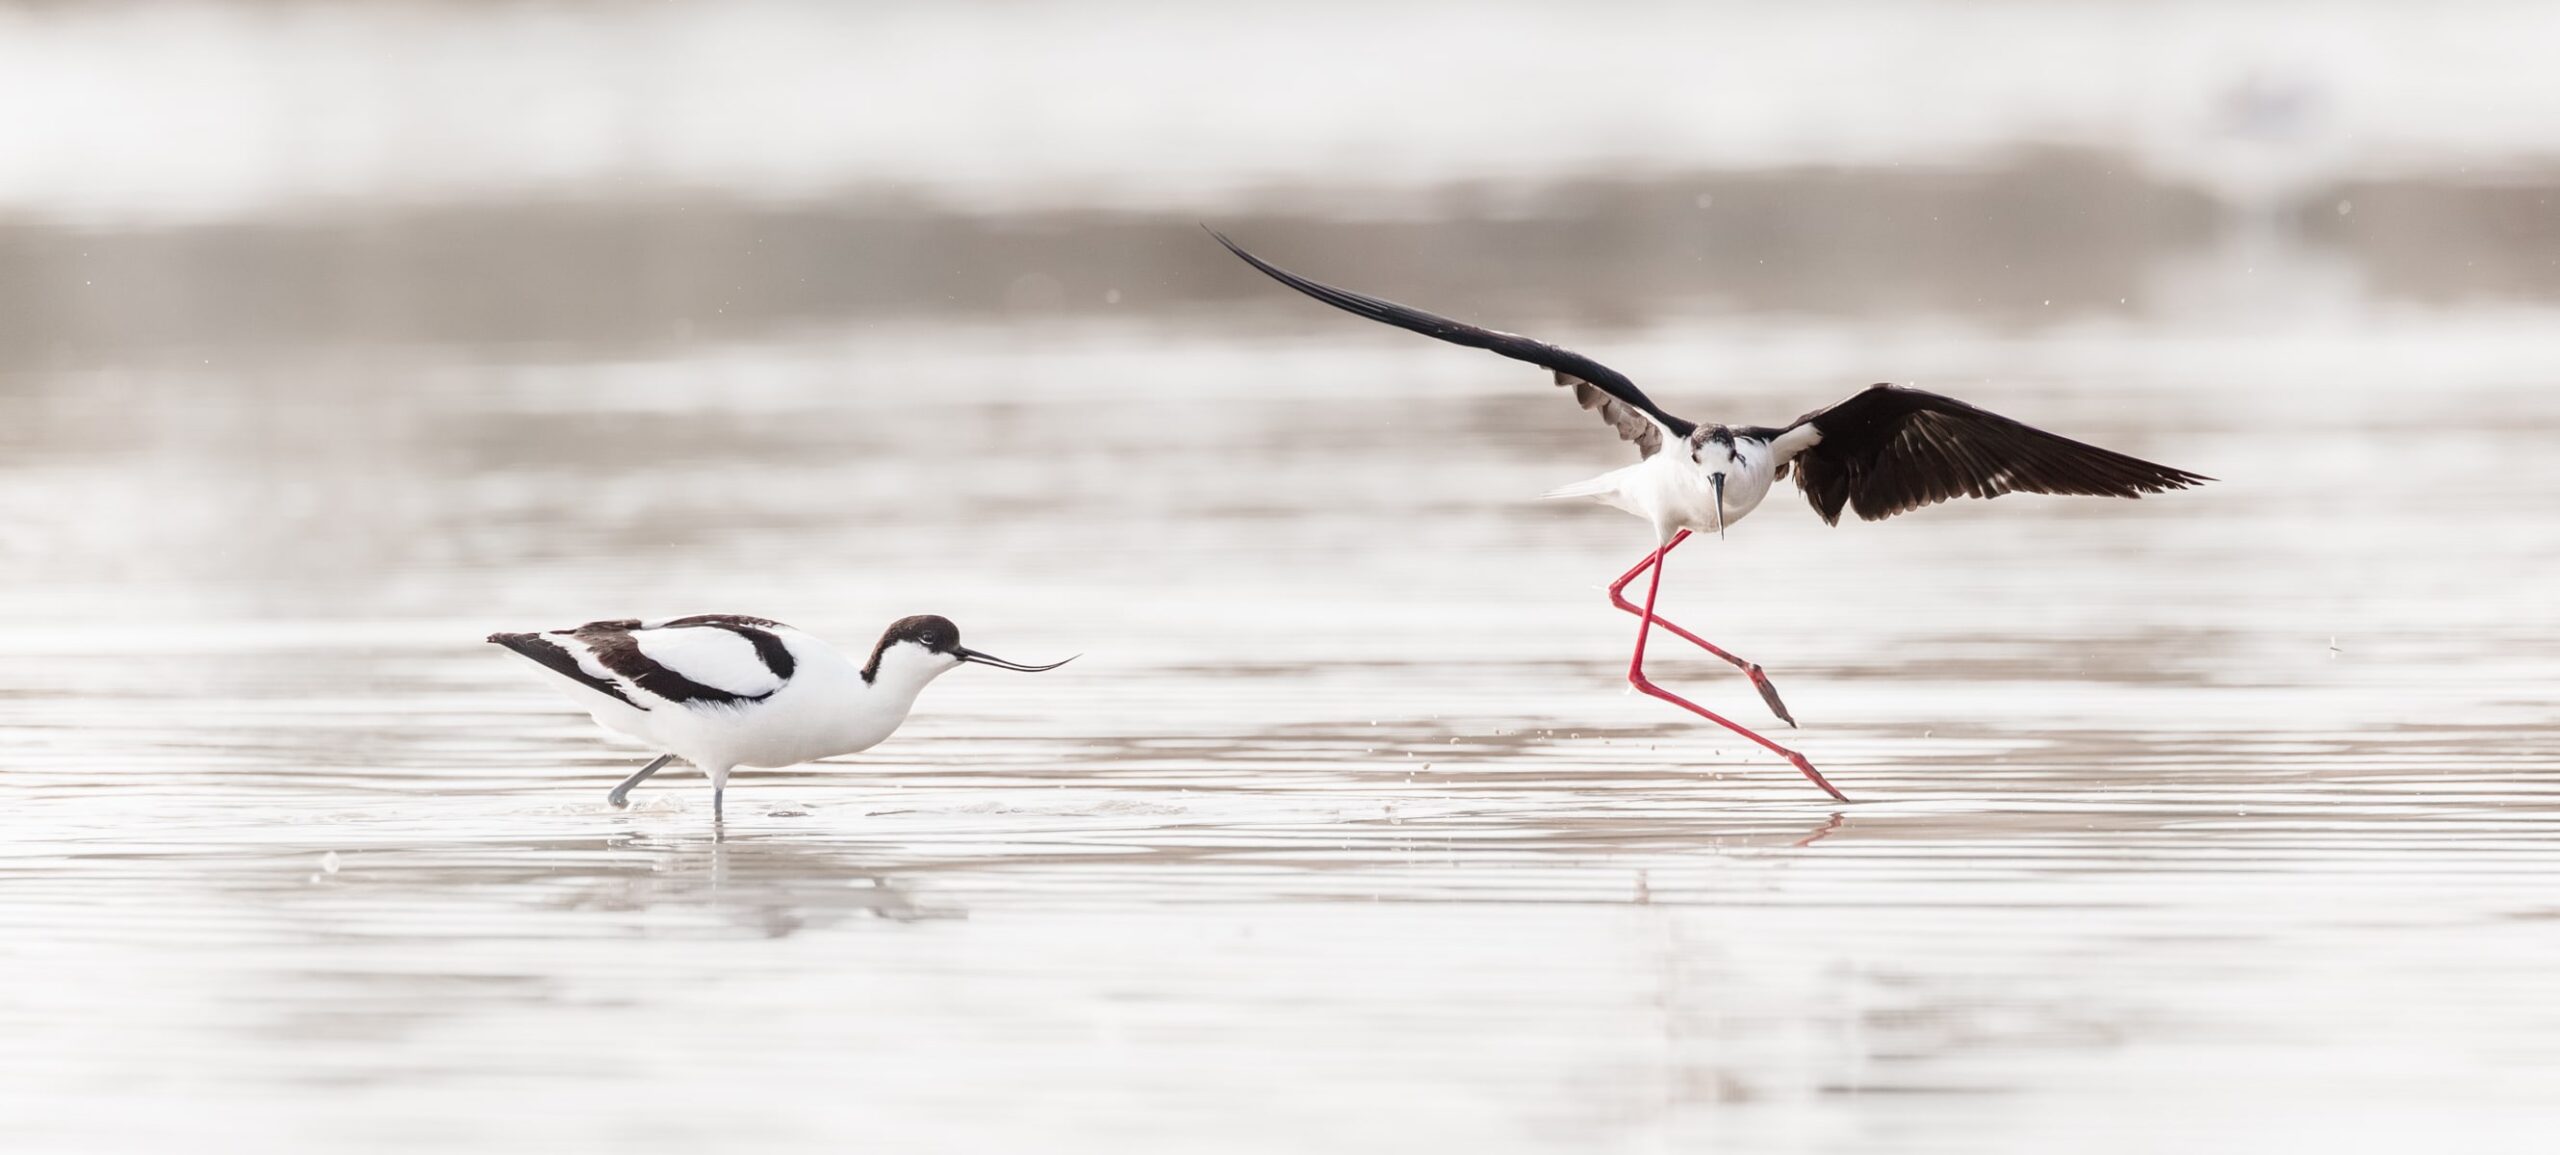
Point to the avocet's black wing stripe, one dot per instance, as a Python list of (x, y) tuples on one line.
[(1596, 386), (1890, 450), (757, 631), (559, 660), (618, 647)]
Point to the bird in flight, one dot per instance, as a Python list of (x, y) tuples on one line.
[(1883, 451), (727, 690)]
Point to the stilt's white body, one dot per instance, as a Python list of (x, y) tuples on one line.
[(1676, 488)]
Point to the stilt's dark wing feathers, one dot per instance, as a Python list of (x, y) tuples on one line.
[(1596, 386), (1631, 423), (1890, 450)]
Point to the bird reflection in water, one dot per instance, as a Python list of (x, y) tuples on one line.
[(773, 885)]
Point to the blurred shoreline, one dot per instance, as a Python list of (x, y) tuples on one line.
[(204, 110), (2052, 236)]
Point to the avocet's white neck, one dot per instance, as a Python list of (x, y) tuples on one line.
[(905, 668), (880, 703)]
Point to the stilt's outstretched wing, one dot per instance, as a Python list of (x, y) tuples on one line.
[(1890, 450), (1596, 386)]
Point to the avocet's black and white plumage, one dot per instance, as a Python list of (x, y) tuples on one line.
[(1885, 450), (726, 690)]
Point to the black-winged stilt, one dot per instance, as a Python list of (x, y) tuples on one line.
[(725, 690), (1885, 450)]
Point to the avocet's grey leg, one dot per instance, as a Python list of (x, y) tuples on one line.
[(621, 795)]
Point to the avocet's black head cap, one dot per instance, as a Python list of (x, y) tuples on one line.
[(936, 634), (932, 631)]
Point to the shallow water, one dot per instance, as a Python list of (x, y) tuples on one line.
[(2226, 817)]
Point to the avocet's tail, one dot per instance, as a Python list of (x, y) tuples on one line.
[(559, 659)]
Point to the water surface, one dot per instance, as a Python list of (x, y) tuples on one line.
[(2219, 818)]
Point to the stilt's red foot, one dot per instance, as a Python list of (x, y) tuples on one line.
[(1769, 694), (1816, 775), (1653, 561), (1635, 670)]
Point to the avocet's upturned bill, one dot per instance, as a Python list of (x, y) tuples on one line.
[(1884, 451), (726, 690)]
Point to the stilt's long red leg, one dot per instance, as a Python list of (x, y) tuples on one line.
[(1759, 677), (1635, 676)]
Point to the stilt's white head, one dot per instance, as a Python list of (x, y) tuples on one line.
[(1739, 468), (1711, 446), (916, 650)]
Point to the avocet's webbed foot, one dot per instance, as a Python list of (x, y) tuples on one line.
[(621, 796)]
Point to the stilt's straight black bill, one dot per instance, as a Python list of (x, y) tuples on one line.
[(970, 655)]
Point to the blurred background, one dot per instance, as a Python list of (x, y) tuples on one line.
[(336, 334), (300, 232)]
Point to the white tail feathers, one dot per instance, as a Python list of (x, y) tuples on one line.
[(1600, 488)]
